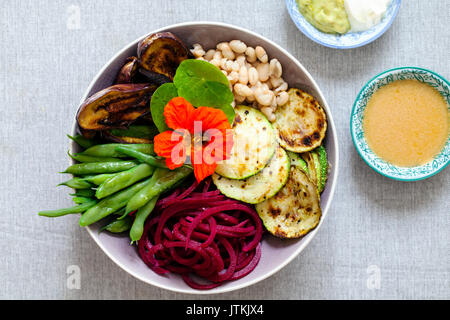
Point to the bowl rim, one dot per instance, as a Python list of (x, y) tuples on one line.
[(358, 99), (333, 184), (375, 37)]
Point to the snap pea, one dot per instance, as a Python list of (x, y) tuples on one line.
[(87, 193), (87, 159), (118, 226), (146, 158), (76, 183), (81, 200), (100, 178), (161, 181), (109, 150), (124, 179), (137, 229), (62, 212), (100, 167), (111, 204), (82, 141)]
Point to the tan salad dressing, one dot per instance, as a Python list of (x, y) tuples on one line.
[(406, 123)]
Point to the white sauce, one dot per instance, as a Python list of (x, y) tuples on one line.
[(364, 14)]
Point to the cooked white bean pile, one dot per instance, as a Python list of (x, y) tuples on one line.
[(253, 77)]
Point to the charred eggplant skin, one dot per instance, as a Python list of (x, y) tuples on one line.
[(161, 53), (127, 73), (115, 107)]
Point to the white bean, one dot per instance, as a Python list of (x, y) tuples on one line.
[(253, 76), (243, 75), (198, 51), (218, 55), (251, 55), (238, 98), (282, 98), (242, 90), (275, 68), (263, 71), (261, 54), (264, 96), (215, 62), (234, 77), (235, 66), (224, 72), (209, 54), (276, 82), (282, 87), (268, 112), (241, 60), (238, 46)]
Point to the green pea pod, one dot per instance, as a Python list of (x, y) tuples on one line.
[(62, 212), (124, 179), (100, 178), (83, 142), (76, 183), (118, 226), (109, 150), (81, 200), (87, 193), (111, 204), (146, 158), (87, 159), (100, 167), (137, 229), (161, 181)]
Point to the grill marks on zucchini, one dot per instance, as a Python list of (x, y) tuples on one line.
[(261, 186), (301, 123), (295, 209), (254, 145)]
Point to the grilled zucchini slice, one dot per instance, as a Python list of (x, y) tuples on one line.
[(254, 143), (295, 209), (317, 164), (323, 162), (301, 123), (261, 186), (298, 161)]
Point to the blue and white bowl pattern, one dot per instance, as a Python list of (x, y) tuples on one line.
[(348, 40), (356, 124)]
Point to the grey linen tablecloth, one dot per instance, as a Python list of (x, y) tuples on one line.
[(381, 240)]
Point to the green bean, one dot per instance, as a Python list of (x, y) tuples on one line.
[(76, 183), (87, 193), (161, 181), (62, 212), (146, 158), (100, 167), (100, 178), (124, 179), (111, 204), (118, 226), (87, 159), (137, 229), (136, 131), (81, 200), (83, 142), (109, 150)]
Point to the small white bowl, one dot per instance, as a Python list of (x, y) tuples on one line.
[(343, 41), (276, 253)]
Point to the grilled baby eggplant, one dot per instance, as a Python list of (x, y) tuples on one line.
[(115, 107), (161, 53), (128, 72)]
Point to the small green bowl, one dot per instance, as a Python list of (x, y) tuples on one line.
[(356, 124)]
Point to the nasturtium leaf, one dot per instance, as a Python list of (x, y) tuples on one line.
[(204, 85), (160, 98)]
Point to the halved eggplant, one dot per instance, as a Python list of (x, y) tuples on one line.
[(115, 107), (161, 53)]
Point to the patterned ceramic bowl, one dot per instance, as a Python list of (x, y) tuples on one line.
[(391, 171), (348, 40)]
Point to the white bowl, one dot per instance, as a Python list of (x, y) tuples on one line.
[(276, 253)]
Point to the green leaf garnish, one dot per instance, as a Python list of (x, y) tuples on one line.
[(160, 98)]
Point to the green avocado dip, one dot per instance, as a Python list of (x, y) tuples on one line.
[(326, 15)]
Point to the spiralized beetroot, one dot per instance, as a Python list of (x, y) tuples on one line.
[(197, 232)]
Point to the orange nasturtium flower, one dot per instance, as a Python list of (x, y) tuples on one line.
[(202, 134)]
